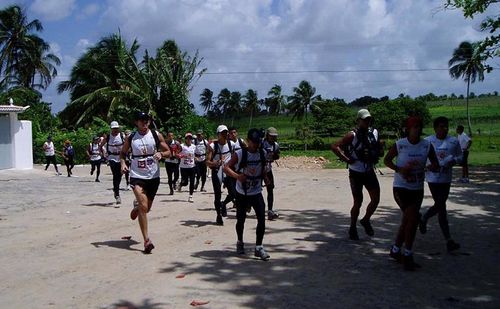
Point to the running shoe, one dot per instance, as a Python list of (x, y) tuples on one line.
[(271, 215), (58, 174), (261, 253), (135, 211), (452, 246), (171, 192), (148, 246), (179, 189), (203, 189), (118, 200), (240, 247), (190, 199), (353, 233), (91, 172), (219, 220), (97, 180), (396, 255), (368, 227)]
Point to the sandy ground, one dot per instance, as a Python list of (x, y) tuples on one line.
[(62, 248)]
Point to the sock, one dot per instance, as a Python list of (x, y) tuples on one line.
[(258, 247), (407, 252), (395, 249)]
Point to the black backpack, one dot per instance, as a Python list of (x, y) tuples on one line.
[(157, 143), (367, 148), (244, 163), (217, 148)]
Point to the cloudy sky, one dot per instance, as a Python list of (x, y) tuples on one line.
[(345, 48)]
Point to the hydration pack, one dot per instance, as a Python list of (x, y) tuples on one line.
[(367, 147)]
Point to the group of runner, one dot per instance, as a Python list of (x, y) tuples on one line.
[(245, 167), (415, 160)]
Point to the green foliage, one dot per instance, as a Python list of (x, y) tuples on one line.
[(332, 117)]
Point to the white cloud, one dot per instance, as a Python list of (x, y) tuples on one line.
[(88, 11), (53, 9), (82, 43)]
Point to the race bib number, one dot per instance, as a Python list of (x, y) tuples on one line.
[(141, 163)]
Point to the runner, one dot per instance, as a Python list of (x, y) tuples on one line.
[(219, 153), (50, 154), (94, 153), (272, 149), (187, 165), (248, 166), (68, 155), (230, 183), (412, 153), (465, 143), (148, 147), (449, 153), (172, 162), (114, 143), (200, 160), (361, 149)]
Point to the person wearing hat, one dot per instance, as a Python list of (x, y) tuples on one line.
[(272, 149), (114, 143), (412, 154), (187, 164), (147, 147), (361, 149), (94, 153), (248, 166), (50, 154), (68, 155), (200, 157), (219, 153)]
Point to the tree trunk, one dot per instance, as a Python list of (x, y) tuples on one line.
[(251, 116), (467, 107)]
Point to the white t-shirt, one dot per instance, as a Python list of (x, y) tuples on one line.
[(463, 139), (49, 149), (447, 150), (416, 156), (143, 165), (187, 156), (270, 150), (358, 165), (223, 152), (115, 145), (201, 150), (253, 171), (95, 152)]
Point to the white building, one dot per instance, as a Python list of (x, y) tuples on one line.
[(16, 146)]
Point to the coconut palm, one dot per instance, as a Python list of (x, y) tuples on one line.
[(251, 103), (467, 64), (223, 102), (24, 55), (303, 96), (207, 99), (276, 100), (234, 106)]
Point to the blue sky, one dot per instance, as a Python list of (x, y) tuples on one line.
[(345, 36)]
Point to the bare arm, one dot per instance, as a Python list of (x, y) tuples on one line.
[(123, 155), (210, 156), (337, 147), (164, 150), (229, 169)]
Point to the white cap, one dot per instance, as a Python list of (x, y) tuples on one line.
[(114, 125), (363, 114), (221, 128)]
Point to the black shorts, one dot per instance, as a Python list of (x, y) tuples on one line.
[(149, 186), (406, 198), (359, 180), (465, 157)]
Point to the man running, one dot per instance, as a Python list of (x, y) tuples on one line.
[(148, 147), (114, 143), (219, 153), (187, 165), (272, 149), (172, 162), (68, 155), (361, 149), (449, 153), (465, 143), (50, 154), (248, 167), (200, 157), (230, 183), (94, 153)]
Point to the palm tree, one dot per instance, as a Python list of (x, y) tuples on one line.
[(223, 102), (251, 103), (276, 100), (466, 63), (207, 99), (302, 98), (24, 55), (234, 106)]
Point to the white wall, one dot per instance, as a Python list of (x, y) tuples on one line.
[(6, 153), (22, 144)]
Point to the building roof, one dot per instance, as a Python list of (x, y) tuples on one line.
[(4, 109)]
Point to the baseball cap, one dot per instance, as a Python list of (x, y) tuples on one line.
[(363, 114), (188, 134), (114, 125), (272, 131), (254, 135), (142, 116), (221, 128), (199, 132)]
